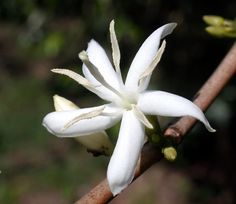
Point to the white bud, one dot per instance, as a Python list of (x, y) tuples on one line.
[(97, 143), (62, 104)]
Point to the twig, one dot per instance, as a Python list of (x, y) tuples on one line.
[(207, 93), (150, 154)]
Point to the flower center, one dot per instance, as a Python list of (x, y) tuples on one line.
[(128, 99)]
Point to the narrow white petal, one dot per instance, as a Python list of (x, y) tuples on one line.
[(115, 50), (167, 104), (146, 54), (124, 159), (98, 142), (98, 57), (102, 91), (96, 73), (55, 122)]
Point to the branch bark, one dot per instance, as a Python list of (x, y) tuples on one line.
[(150, 154)]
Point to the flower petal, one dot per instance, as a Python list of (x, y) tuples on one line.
[(167, 104), (97, 143), (98, 57), (124, 159), (85, 116), (145, 55), (101, 91), (56, 122), (96, 73)]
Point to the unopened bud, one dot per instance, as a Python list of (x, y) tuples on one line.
[(220, 27), (97, 143), (221, 31), (170, 153), (213, 20), (216, 31), (63, 104)]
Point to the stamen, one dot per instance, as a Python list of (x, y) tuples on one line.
[(73, 75), (148, 71), (115, 49), (142, 118), (79, 79), (84, 116)]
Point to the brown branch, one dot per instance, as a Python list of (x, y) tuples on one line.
[(150, 154), (207, 93)]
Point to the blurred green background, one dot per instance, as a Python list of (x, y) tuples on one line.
[(35, 36)]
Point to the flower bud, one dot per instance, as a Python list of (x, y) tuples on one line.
[(219, 31), (214, 20), (96, 143), (169, 153), (62, 104), (220, 27), (216, 31)]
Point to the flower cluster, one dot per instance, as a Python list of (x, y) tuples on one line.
[(127, 101)]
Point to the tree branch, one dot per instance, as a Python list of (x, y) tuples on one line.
[(150, 154)]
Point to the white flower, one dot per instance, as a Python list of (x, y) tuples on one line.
[(97, 143), (128, 102)]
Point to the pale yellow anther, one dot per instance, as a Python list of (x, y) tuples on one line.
[(73, 75), (98, 111), (148, 71), (141, 117), (115, 47)]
